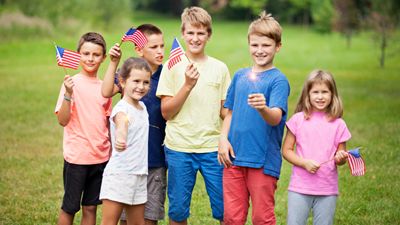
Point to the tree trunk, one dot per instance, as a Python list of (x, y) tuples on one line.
[(348, 36), (305, 20), (383, 47)]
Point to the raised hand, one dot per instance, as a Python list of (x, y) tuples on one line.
[(69, 84), (191, 75), (115, 53)]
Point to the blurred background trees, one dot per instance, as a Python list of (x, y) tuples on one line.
[(349, 17)]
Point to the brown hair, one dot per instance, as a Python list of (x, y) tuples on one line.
[(266, 25), (94, 38), (149, 29), (196, 17), (133, 63), (335, 108)]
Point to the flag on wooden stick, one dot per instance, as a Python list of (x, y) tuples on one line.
[(135, 36), (356, 163), (67, 58), (175, 55)]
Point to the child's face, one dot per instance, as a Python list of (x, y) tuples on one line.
[(262, 51), (153, 51), (320, 97), (195, 38), (136, 86), (91, 57)]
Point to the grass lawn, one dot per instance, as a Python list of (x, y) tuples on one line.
[(31, 159)]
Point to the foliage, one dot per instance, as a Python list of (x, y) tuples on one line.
[(322, 12), (348, 18), (255, 7)]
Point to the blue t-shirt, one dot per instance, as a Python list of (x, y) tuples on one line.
[(156, 121), (256, 143)]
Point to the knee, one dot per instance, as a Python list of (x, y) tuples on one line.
[(89, 209)]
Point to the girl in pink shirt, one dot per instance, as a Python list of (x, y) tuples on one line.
[(319, 134)]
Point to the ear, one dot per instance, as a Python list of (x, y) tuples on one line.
[(182, 32), (209, 36), (104, 58), (122, 82), (139, 51), (278, 47)]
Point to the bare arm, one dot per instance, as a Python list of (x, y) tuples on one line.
[(171, 105), (121, 131), (224, 111), (224, 146), (108, 88), (287, 151), (64, 113), (340, 156), (272, 116)]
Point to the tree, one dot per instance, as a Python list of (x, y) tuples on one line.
[(255, 7), (303, 5), (347, 20), (322, 13)]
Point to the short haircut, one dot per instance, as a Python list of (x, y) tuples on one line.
[(334, 110), (133, 63), (94, 38), (266, 25), (149, 29), (196, 17)]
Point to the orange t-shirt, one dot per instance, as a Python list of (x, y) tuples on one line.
[(85, 139)]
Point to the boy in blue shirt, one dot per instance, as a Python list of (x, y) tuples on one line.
[(251, 134), (153, 52)]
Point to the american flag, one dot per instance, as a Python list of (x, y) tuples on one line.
[(356, 163), (135, 36), (175, 55), (67, 58)]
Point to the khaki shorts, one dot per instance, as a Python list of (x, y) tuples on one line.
[(124, 188)]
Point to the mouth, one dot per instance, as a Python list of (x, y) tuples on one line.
[(261, 57), (195, 45), (160, 58)]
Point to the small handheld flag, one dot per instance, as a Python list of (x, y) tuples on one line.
[(175, 55), (356, 163), (67, 58), (135, 36)]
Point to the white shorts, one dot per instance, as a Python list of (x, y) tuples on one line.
[(124, 188)]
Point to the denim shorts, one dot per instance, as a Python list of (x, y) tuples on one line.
[(182, 172)]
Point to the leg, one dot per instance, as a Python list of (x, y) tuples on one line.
[(65, 218), (156, 194), (299, 207), (262, 190), (324, 209), (122, 218), (212, 173), (135, 214), (123, 222), (111, 212), (89, 214), (182, 170)]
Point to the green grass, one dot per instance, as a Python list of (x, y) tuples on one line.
[(31, 159)]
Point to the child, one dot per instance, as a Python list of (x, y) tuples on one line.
[(257, 103), (85, 143), (192, 95), (153, 52), (125, 176), (319, 135)]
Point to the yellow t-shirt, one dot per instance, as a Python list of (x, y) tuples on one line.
[(196, 127)]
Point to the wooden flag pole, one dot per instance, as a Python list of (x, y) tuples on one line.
[(120, 44), (185, 53), (334, 158), (61, 60)]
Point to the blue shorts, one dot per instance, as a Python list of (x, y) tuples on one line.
[(182, 172)]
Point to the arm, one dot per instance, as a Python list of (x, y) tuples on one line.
[(108, 88), (109, 135), (272, 116), (224, 111), (340, 156), (287, 151), (171, 105), (64, 113), (121, 131), (224, 146)]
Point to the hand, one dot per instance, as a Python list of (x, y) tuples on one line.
[(69, 84), (340, 157), (120, 145), (191, 75), (115, 53), (257, 101), (311, 166), (224, 149)]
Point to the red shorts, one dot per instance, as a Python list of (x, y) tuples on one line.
[(239, 183)]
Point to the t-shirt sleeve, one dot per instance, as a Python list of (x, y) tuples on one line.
[(226, 81), (230, 96), (344, 133), (292, 123), (165, 84), (279, 94)]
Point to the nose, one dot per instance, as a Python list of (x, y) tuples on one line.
[(91, 57), (141, 85)]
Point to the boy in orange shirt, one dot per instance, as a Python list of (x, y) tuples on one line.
[(86, 140)]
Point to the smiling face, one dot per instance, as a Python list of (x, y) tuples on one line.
[(136, 86), (262, 51), (153, 51), (195, 38), (91, 58), (320, 97)]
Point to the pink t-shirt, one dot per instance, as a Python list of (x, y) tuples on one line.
[(316, 139), (85, 139)]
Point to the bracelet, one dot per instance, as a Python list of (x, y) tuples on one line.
[(223, 135), (67, 98)]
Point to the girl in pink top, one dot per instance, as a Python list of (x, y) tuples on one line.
[(319, 134)]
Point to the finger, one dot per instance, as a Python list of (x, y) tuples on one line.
[(219, 159), (232, 153)]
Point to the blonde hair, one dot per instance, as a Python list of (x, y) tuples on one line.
[(266, 25), (196, 17), (335, 108)]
